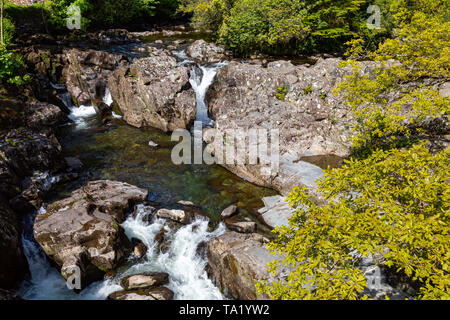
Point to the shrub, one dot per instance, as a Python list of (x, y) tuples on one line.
[(10, 64)]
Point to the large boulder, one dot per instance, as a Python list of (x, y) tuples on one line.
[(236, 261), (276, 211), (154, 91), (296, 100), (84, 230), (86, 72)]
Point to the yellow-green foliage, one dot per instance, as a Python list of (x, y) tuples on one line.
[(421, 49), (395, 203)]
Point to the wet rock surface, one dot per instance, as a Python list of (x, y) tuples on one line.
[(154, 91), (31, 114), (276, 211), (30, 163), (241, 226), (83, 230)]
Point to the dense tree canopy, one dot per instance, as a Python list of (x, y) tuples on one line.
[(285, 26)]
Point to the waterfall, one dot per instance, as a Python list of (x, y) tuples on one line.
[(107, 99), (77, 114), (186, 268), (201, 79)]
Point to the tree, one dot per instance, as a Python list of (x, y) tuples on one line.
[(393, 200)]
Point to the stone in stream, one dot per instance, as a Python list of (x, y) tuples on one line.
[(84, 229), (180, 216), (13, 266), (229, 212), (140, 250), (241, 226), (145, 280), (159, 293)]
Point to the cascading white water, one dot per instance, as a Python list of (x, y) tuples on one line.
[(77, 114), (108, 100), (201, 79), (186, 268)]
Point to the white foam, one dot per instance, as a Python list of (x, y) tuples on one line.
[(200, 82), (80, 114), (107, 99), (187, 275)]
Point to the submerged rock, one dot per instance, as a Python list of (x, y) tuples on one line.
[(154, 91), (160, 293), (84, 230), (236, 261), (145, 280)]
